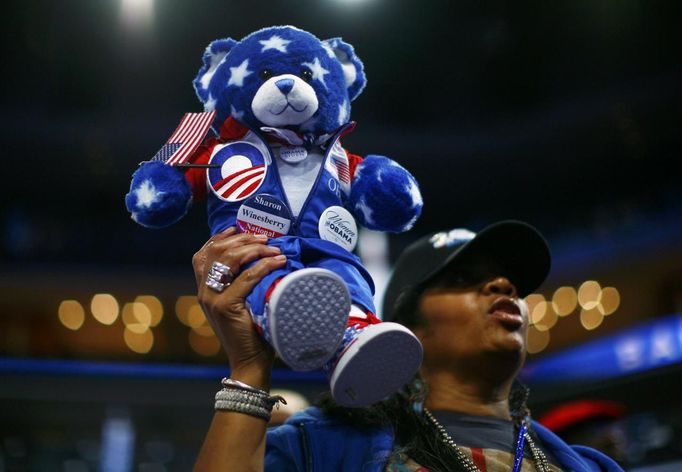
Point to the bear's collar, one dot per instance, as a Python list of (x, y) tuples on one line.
[(231, 129)]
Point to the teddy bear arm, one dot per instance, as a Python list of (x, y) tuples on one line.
[(384, 196)]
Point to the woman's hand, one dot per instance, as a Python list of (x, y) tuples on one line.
[(250, 357)]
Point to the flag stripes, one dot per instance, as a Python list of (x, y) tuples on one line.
[(186, 138)]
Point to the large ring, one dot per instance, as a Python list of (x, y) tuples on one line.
[(219, 277)]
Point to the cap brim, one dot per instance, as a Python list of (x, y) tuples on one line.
[(519, 248)]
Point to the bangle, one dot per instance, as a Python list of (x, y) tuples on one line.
[(242, 398)]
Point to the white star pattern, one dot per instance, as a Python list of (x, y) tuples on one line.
[(210, 103), (147, 195), (236, 114), (366, 211), (275, 42), (238, 74), (318, 71)]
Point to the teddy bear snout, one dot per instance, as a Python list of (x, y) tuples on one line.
[(285, 85)]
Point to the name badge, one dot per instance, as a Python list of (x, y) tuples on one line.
[(264, 214), (293, 155), (338, 226)]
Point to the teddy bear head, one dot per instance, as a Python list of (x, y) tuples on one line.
[(281, 77)]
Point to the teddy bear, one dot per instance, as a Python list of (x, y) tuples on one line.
[(279, 103)]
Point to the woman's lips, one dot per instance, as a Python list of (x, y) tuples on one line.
[(507, 312)]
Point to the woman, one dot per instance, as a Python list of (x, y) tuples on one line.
[(460, 293)]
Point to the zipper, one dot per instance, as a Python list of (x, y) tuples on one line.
[(337, 134), (307, 456)]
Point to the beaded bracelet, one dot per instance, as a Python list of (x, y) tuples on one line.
[(242, 398)]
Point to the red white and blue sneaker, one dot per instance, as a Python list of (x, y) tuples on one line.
[(375, 359), (307, 314)]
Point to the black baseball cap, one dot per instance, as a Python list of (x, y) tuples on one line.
[(520, 249)]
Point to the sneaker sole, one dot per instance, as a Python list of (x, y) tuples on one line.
[(308, 314), (382, 359)]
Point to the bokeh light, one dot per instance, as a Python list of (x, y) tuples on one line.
[(548, 318), (71, 314), (589, 294), (104, 308), (610, 301), (204, 330), (537, 340), (564, 300), (182, 307), (141, 343), (154, 306), (195, 317), (136, 317), (204, 345), (591, 319), (536, 307)]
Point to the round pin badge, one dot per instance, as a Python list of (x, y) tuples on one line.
[(264, 214), (338, 225), (292, 155), (239, 171)]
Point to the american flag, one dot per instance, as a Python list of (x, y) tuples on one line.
[(186, 138), (342, 169)]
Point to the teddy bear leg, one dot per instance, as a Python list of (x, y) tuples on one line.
[(306, 315), (374, 360)]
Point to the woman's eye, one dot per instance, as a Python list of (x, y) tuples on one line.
[(307, 75), (265, 74)]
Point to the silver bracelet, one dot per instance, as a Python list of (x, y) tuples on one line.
[(240, 397)]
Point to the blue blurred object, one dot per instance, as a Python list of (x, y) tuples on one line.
[(644, 347)]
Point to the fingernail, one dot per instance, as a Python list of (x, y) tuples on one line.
[(281, 257), (275, 248), (263, 237)]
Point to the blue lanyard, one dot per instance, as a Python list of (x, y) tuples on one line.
[(520, 443)]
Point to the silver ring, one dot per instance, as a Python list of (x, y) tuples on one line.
[(219, 277), (215, 285), (221, 273)]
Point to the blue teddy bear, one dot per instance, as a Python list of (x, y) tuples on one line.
[(280, 103)]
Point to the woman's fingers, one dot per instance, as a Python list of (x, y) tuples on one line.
[(248, 279), (226, 247)]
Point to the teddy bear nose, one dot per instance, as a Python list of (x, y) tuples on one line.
[(285, 85)]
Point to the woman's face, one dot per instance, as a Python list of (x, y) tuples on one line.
[(472, 311)]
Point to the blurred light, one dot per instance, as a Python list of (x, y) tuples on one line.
[(195, 317), (591, 319), (549, 316), (104, 308), (589, 294), (71, 314), (138, 342), (182, 307), (137, 14), (136, 313), (154, 306), (537, 340), (203, 345), (564, 301), (204, 330), (535, 300), (136, 317), (610, 301)]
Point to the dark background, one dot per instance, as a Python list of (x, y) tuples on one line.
[(563, 114)]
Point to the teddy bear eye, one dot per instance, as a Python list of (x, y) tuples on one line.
[(265, 74), (307, 75)]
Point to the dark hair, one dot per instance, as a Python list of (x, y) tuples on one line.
[(415, 436)]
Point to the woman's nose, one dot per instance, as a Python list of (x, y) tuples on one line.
[(500, 286)]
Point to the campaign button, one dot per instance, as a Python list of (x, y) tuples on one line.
[(292, 155), (338, 225), (264, 214)]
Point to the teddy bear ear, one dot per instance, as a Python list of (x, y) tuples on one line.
[(353, 70), (213, 56)]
